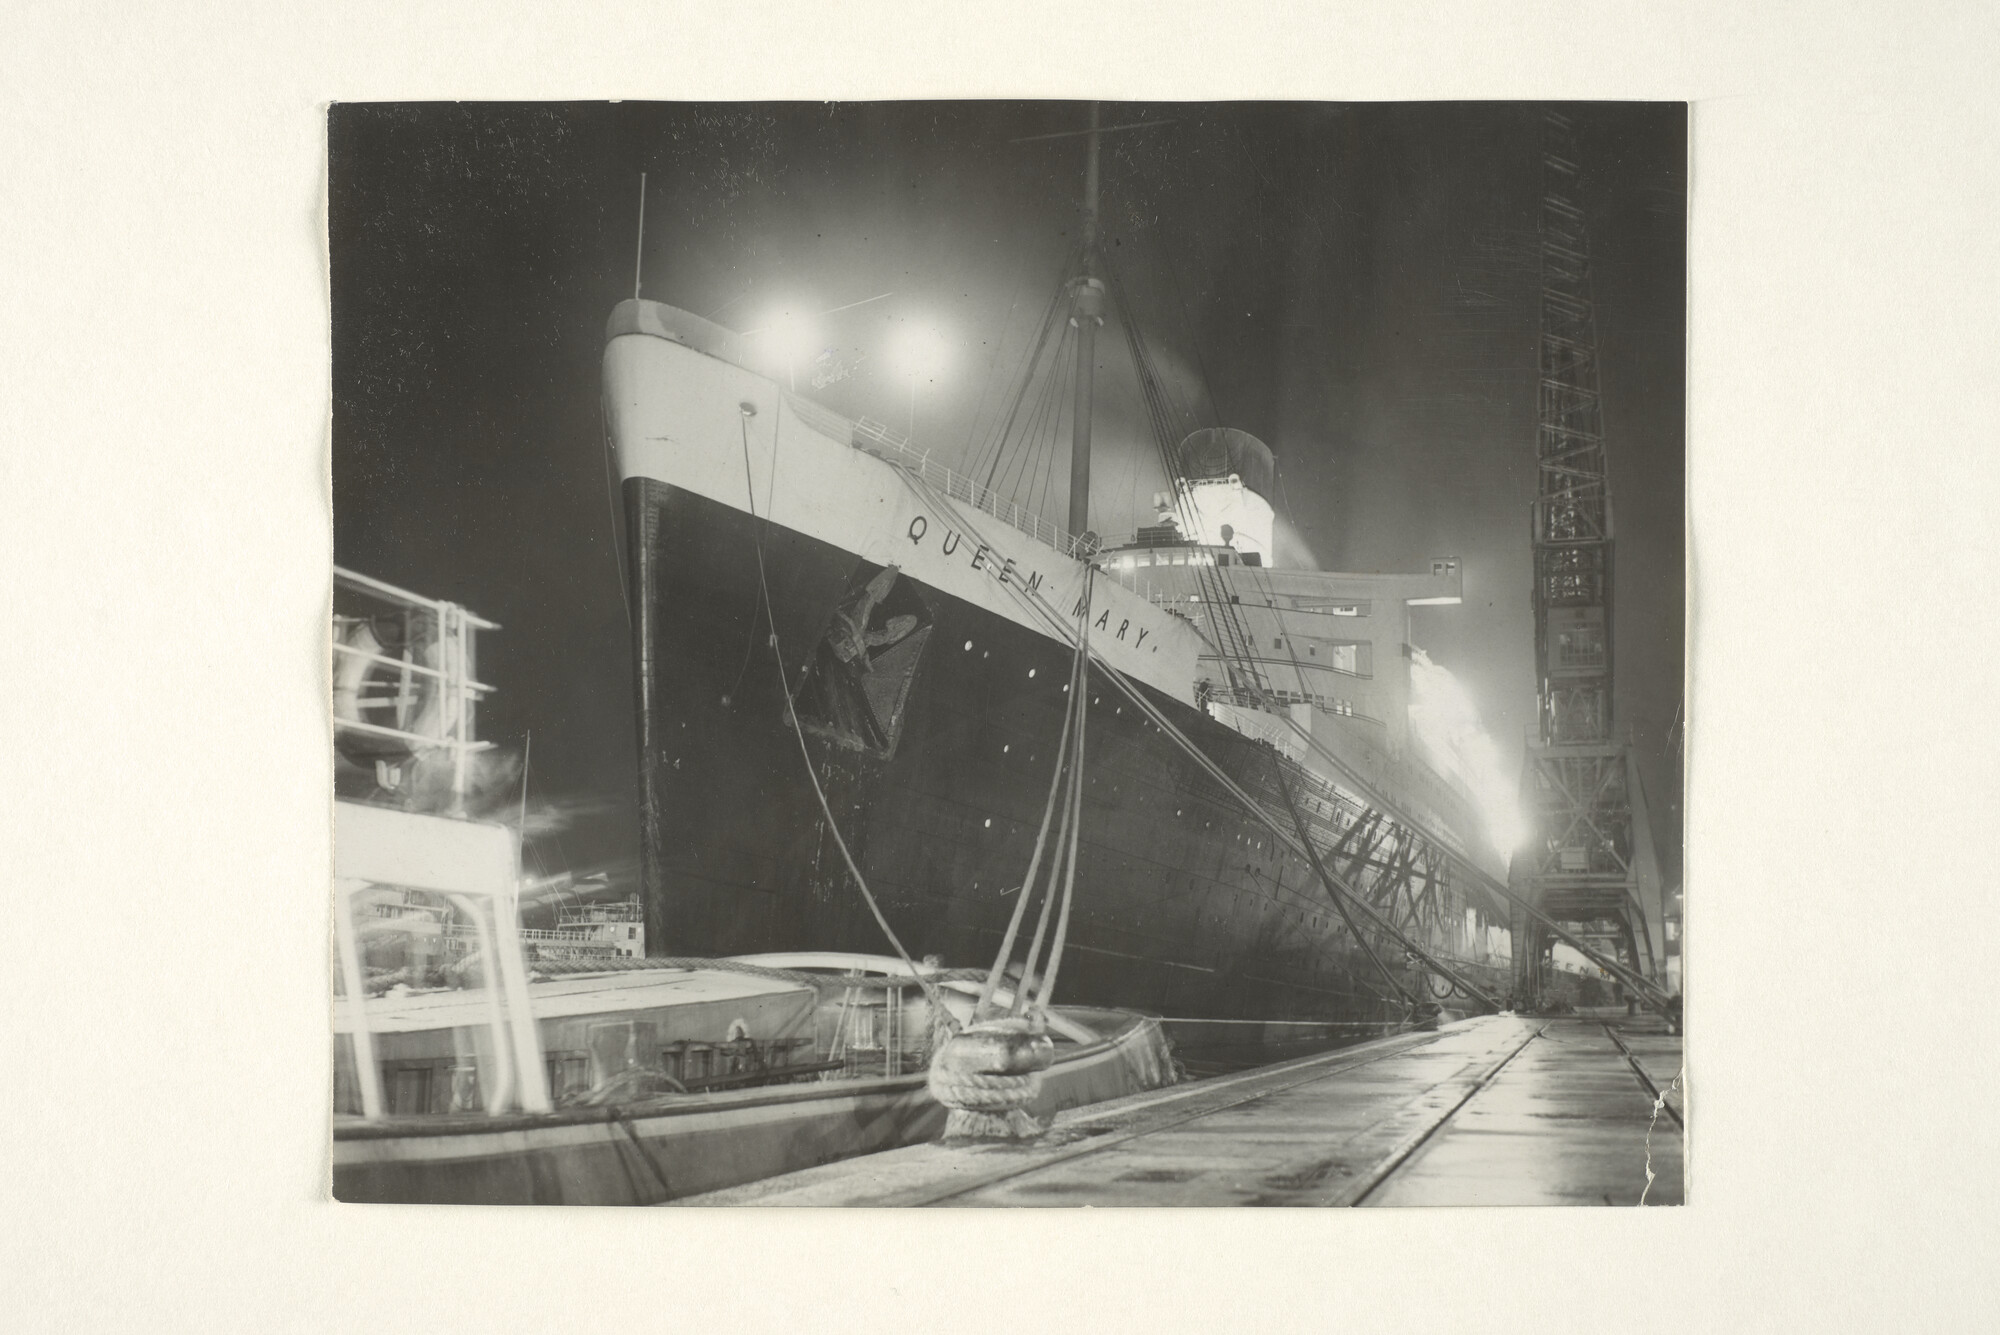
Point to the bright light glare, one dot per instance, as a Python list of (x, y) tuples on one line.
[(920, 351), (1456, 743), (789, 333)]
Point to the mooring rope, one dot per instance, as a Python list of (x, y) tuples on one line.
[(1070, 831), (1076, 788), (1025, 987), (1006, 951), (1040, 606), (939, 1013)]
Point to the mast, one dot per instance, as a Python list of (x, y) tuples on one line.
[(1086, 313), (639, 246)]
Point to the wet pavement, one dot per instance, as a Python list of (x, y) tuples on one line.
[(1567, 1122), (1500, 1110)]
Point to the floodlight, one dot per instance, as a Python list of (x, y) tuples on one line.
[(920, 350), (789, 333)]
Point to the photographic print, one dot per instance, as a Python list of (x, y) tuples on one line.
[(1008, 653)]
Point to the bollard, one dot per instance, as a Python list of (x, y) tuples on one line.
[(987, 1076)]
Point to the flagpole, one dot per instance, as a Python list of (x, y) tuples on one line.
[(639, 246)]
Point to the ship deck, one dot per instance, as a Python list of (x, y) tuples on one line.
[(1498, 1110), (614, 992)]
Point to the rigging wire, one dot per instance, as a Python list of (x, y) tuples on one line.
[(1031, 470), (1233, 642), (998, 442), (1319, 869), (1406, 837), (993, 362), (1039, 605), (791, 716), (1230, 637), (1004, 475), (1038, 434), (1402, 819), (1060, 386), (1305, 836), (1048, 419), (1041, 608), (1006, 465)]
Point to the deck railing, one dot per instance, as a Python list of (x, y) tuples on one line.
[(893, 447), (379, 681)]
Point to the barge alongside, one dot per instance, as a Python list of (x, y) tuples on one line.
[(480, 1062)]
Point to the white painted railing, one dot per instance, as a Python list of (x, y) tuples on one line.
[(892, 446)]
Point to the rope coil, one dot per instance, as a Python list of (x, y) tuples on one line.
[(988, 1075)]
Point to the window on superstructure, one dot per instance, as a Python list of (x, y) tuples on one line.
[(1580, 646), (1352, 657)]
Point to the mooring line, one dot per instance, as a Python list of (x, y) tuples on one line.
[(1097, 1144), (1397, 1156)]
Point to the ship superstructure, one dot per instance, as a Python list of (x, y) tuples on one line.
[(785, 558), (852, 665)]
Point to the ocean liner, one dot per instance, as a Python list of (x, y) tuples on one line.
[(1262, 835)]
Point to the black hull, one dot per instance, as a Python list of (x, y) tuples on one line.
[(1185, 904)]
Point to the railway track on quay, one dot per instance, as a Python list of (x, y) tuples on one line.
[(1499, 1109)]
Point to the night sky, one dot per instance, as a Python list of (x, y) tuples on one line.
[(1355, 284)]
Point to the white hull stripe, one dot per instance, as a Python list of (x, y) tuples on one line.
[(675, 417)]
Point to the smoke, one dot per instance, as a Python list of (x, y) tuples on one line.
[(1290, 550), (614, 880), (493, 792), (1455, 742), (964, 409), (551, 816)]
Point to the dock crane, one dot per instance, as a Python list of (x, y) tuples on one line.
[(1589, 862)]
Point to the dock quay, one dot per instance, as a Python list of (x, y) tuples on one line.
[(1582, 1109)]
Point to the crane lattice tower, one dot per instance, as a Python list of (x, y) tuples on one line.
[(1589, 861)]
